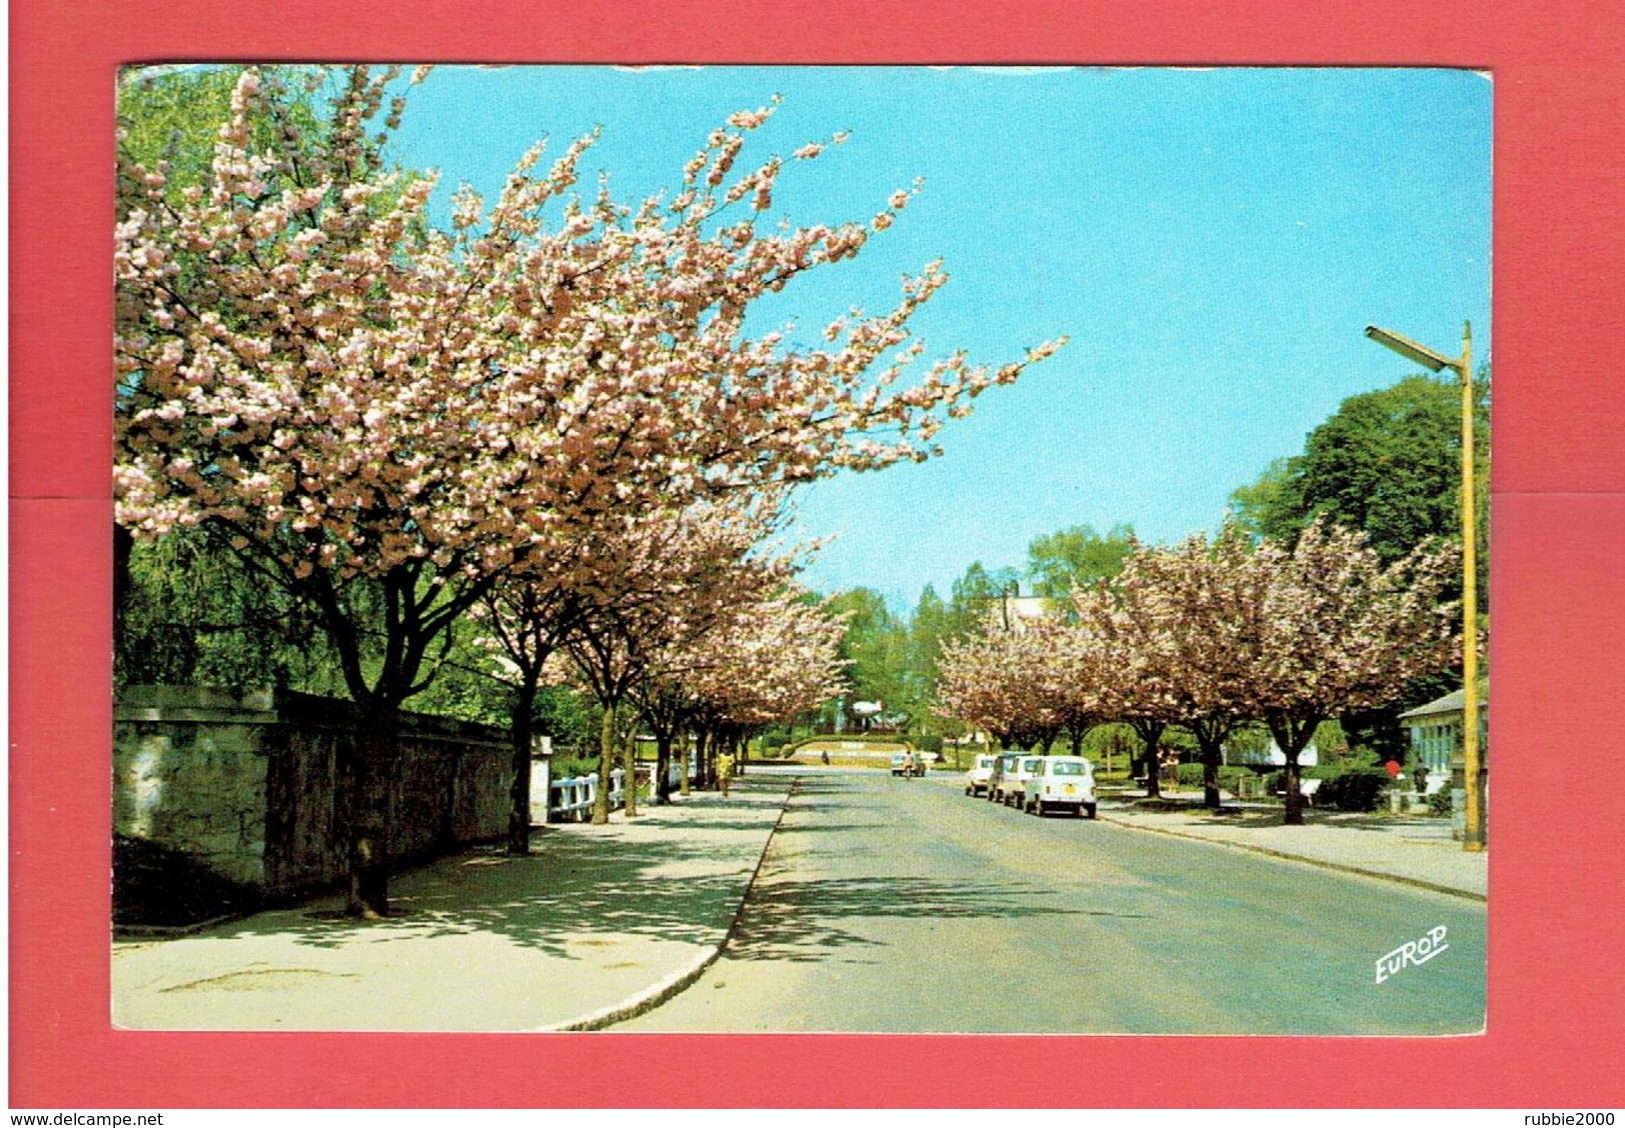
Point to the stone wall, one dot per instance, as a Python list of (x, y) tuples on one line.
[(246, 785)]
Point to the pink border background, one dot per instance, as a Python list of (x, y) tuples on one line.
[(1556, 953)]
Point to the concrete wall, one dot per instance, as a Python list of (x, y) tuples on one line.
[(247, 784)]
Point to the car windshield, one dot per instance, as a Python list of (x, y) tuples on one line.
[(1069, 767), (1031, 765)]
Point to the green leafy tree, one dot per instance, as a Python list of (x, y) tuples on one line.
[(1269, 507), (1077, 555), (973, 596), (1387, 463), (188, 612), (876, 648), (931, 624)]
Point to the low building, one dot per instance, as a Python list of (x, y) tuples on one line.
[(1435, 737)]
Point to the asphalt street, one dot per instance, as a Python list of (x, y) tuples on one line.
[(891, 905)]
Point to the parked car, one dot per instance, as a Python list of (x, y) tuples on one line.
[(1004, 766), (1059, 782), (1015, 781), (980, 772), (907, 764)]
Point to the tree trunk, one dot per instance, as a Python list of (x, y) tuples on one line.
[(1151, 733), (662, 780), (682, 768), (1212, 753), (366, 785), (606, 760), (519, 792), (629, 765), (1292, 735), (1294, 796), (1210, 733), (702, 759)]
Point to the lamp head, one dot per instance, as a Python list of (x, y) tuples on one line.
[(1409, 349)]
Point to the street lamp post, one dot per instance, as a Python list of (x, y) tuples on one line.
[(1473, 836)]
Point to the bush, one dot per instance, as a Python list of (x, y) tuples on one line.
[(1440, 803), (861, 737), (929, 743), (1354, 791), (1194, 775)]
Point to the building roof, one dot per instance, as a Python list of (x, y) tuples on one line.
[(1451, 702), (1016, 612)]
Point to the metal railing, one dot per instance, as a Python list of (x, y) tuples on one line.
[(571, 799)]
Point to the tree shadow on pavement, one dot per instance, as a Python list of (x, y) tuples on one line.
[(551, 901), (1266, 819), (801, 921)]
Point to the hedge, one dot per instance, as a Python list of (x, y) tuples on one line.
[(1359, 790), (1192, 775)]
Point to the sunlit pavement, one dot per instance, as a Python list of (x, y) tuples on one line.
[(888, 905)]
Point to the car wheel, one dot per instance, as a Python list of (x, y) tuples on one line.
[(1089, 810)]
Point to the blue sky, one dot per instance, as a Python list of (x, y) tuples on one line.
[(1213, 241)]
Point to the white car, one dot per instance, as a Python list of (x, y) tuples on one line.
[(1004, 771), (1059, 782), (980, 773), (1015, 779)]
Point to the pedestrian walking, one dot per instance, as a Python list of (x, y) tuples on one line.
[(725, 771)]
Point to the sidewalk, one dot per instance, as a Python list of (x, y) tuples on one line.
[(597, 924), (1410, 849)]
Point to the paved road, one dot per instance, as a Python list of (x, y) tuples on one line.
[(888, 905)]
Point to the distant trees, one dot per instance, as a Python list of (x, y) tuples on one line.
[(898, 660), (1210, 634), (1076, 556)]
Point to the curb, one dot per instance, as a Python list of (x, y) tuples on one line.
[(1417, 883), (650, 998), (136, 932)]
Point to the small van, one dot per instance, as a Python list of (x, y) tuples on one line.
[(1060, 782), (1003, 777), (980, 772), (1015, 780)]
